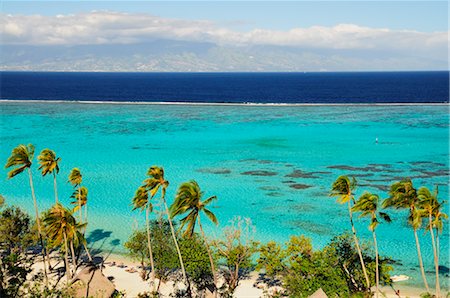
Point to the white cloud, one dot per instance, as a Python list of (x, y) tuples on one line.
[(103, 27)]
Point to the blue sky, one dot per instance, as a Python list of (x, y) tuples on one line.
[(425, 16)]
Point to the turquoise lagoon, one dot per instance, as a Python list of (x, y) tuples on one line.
[(272, 164)]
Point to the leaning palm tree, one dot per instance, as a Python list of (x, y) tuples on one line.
[(21, 159), (189, 200), (343, 188), (438, 222), (59, 225), (403, 195), (75, 178), (49, 164), (427, 204), (368, 205), (80, 197), (141, 201), (156, 182)]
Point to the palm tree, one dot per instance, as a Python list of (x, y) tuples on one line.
[(59, 225), (155, 182), (368, 205), (438, 222), (403, 195), (141, 201), (343, 188), (188, 199), (75, 178), (49, 164), (428, 202), (21, 159), (81, 196)]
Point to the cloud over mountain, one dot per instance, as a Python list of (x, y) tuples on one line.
[(117, 28)]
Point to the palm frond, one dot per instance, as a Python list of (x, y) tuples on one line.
[(75, 177), (21, 157), (211, 216)]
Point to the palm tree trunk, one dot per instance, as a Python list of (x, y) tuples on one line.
[(79, 203), (377, 274), (149, 245), (176, 244), (66, 257), (85, 213), (55, 187), (358, 248), (419, 254), (436, 262), (74, 261), (87, 252), (209, 255), (437, 244), (38, 222)]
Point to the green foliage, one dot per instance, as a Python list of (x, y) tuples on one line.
[(48, 162), (15, 230), (336, 268), (21, 158), (165, 256), (14, 268), (271, 259), (196, 261), (347, 256)]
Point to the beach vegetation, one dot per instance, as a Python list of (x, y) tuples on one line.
[(300, 270), (75, 178), (64, 231), (343, 188), (403, 195), (141, 200), (369, 205), (49, 164), (20, 160), (430, 208), (235, 251), (166, 261), (157, 182), (189, 200)]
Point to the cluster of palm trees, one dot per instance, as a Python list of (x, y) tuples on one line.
[(58, 228), (187, 200), (421, 204), (61, 229)]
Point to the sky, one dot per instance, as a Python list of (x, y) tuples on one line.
[(397, 29)]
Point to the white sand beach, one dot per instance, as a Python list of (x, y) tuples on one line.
[(125, 275)]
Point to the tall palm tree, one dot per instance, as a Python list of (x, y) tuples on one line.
[(427, 203), (59, 225), (403, 195), (141, 201), (368, 205), (156, 182), (343, 188), (21, 159), (75, 178), (49, 164), (438, 222), (189, 199), (81, 196)]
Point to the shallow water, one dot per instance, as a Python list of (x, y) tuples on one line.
[(274, 165)]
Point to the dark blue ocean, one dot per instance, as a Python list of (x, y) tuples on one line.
[(349, 87)]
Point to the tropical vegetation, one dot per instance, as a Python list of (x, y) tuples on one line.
[(346, 266)]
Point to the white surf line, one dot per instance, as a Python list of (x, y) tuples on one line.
[(246, 104)]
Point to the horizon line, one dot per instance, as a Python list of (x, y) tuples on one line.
[(246, 104)]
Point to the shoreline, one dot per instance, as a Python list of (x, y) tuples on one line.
[(245, 104), (124, 273)]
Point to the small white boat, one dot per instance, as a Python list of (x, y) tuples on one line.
[(397, 278)]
